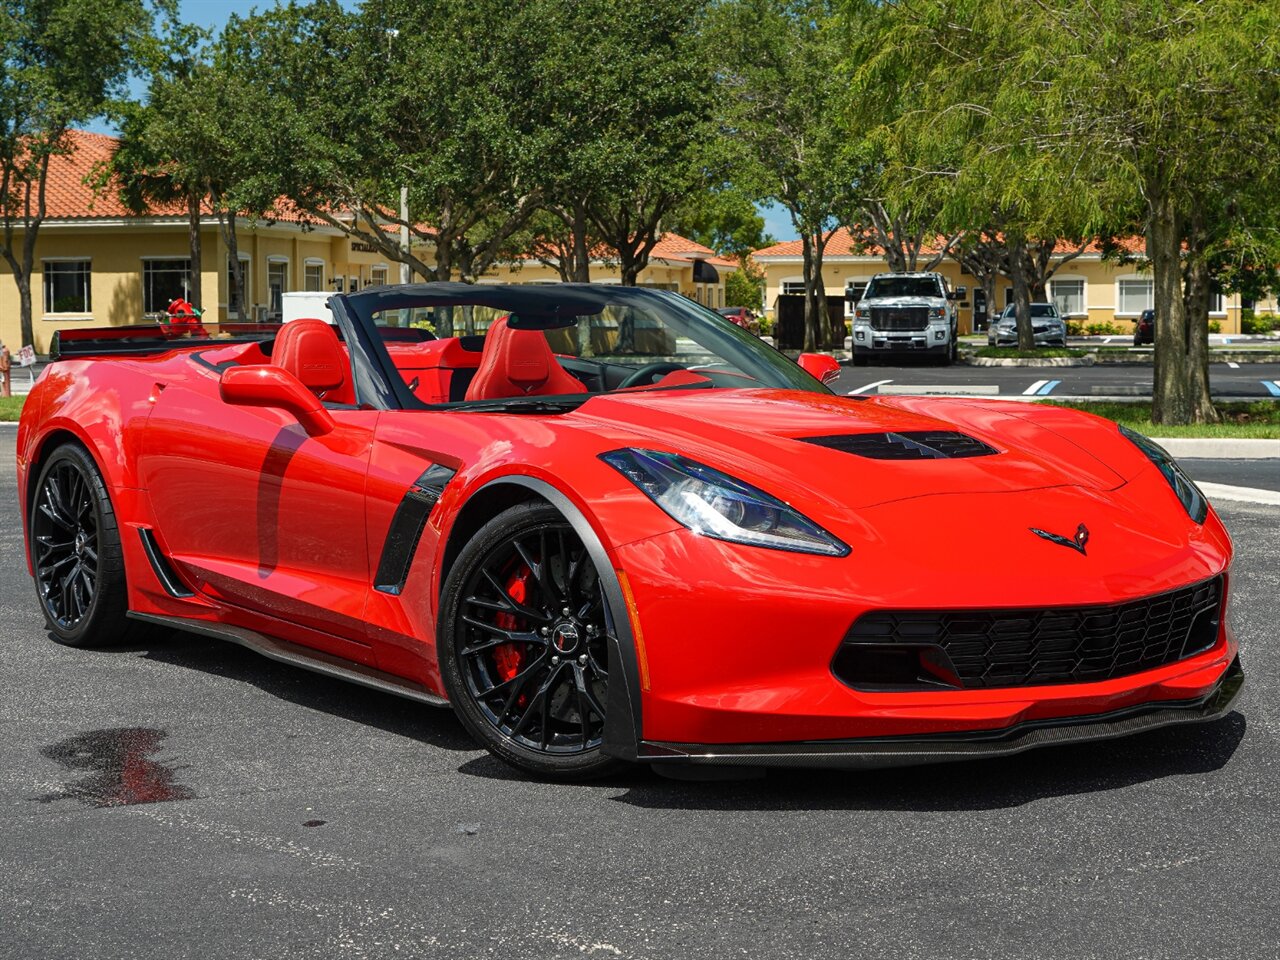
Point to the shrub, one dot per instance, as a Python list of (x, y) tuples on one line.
[(1252, 323), (1105, 329), (1075, 328)]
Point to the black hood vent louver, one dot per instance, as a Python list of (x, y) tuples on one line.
[(907, 445)]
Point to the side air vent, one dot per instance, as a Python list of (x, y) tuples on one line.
[(909, 445)]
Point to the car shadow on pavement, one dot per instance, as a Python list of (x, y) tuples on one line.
[(340, 698), (1191, 750)]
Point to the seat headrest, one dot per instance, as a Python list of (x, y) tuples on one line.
[(309, 349)]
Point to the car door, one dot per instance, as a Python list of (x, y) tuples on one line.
[(257, 514)]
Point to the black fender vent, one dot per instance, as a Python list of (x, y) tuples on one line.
[(908, 445)]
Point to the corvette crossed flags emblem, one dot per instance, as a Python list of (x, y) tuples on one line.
[(1077, 543)]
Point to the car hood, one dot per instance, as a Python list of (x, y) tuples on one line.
[(764, 437)]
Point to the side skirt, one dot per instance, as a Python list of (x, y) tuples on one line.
[(299, 656)]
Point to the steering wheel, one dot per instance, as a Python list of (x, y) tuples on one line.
[(649, 373)]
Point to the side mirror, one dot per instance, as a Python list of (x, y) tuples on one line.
[(955, 295), (820, 366), (271, 386)]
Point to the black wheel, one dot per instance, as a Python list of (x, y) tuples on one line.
[(75, 549), (859, 360), (524, 644)]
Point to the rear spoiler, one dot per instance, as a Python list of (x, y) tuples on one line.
[(146, 339)]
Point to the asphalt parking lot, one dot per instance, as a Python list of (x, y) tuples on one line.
[(1245, 381), (296, 816)]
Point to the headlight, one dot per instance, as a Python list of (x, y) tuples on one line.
[(1184, 487), (862, 313), (937, 313), (716, 505)]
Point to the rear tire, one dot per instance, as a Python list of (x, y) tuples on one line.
[(76, 553), (523, 645)]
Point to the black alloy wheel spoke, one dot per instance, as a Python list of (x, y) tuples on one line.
[(64, 540), (537, 667)]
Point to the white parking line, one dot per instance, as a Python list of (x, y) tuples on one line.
[(1034, 388), (866, 387), (1224, 491), (1233, 365)]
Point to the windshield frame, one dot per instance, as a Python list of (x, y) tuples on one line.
[(378, 383)]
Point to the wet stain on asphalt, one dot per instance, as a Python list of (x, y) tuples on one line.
[(315, 823), (119, 770)]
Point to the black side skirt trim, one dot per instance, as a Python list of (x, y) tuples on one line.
[(167, 576), (982, 744), (299, 656), (406, 528)]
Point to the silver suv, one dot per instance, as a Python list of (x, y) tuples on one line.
[(905, 313), (1047, 326)]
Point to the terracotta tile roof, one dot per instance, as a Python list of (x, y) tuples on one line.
[(670, 247), (70, 197), (844, 244)]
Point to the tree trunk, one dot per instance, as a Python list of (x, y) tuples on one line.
[(23, 279), (810, 304), (1196, 303), (1021, 290), (1170, 396), (193, 236), (581, 252), (820, 295), (228, 224)]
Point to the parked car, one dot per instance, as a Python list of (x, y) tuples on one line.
[(743, 316), (600, 542), (1144, 331), (1048, 327), (905, 314)]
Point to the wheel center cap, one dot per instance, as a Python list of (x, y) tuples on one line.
[(81, 540), (565, 636)]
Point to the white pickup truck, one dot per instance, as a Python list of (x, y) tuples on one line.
[(905, 314)]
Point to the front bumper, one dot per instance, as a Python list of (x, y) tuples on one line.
[(876, 752)]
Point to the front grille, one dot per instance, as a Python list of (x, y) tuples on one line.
[(907, 445), (899, 319), (977, 649)]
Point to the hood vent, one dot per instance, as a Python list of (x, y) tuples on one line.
[(908, 445)]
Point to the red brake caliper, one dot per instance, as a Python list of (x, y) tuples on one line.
[(508, 657)]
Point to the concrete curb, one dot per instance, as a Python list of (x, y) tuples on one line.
[(1029, 361), (1223, 491), (1220, 448)]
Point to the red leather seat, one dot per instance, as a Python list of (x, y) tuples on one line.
[(309, 349), (519, 363)]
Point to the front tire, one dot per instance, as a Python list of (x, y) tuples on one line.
[(524, 646), (76, 554)]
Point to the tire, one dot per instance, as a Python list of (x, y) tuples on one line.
[(76, 554), (860, 360), (523, 645)]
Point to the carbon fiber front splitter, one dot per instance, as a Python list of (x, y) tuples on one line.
[(974, 745)]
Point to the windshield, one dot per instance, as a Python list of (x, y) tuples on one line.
[(903, 287), (1037, 310), (548, 345)]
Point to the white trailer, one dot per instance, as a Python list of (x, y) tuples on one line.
[(300, 304)]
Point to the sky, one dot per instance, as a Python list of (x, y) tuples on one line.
[(214, 13)]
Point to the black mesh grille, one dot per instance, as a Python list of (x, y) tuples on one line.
[(908, 445), (897, 319), (1014, 648)]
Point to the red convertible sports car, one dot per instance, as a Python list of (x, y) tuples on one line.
[(605, 525)]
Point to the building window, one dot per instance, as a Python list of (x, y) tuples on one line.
[(313, 277), (1217, 303), (377, 276), (164, 281), (66, 286), (234, 307), (1068, 296), (792, 287), (1135, 296), (277, 284)]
